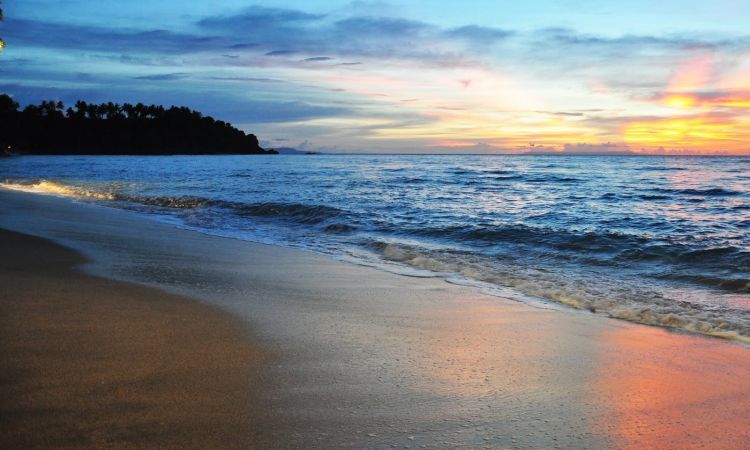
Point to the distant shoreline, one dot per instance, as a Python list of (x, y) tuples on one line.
[(117, 129)]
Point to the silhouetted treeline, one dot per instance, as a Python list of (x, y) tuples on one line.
[(111, 129)]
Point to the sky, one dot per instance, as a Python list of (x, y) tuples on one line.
[(475, 76)]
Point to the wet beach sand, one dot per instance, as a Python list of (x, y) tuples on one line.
[(92, 362), (330, 354)]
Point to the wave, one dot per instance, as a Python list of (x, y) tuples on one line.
[(739, 285), (683, 256), (551, 179), (653, 197), (55, 188), (659, 169), (507, 177), (597, 242), (631, 304), (306, 214), (300, 213), (408, 180), (591, 248), (512, 264), (179, 202), (707, 192)]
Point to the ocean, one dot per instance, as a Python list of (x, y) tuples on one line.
[(656, 240)]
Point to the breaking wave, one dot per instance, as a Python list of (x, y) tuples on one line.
[(628, 303), (303, 214)]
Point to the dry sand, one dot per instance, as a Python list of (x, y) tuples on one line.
[(90, 362), (365, 358)]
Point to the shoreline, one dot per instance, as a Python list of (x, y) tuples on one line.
[(369, 358), (637, 314)]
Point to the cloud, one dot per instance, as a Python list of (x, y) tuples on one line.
[(280, 52), (318, 58), (282, 32), (259, 18), (67, 36), (381, 28), (572, 38), (480, 34), (269, 31), (163, 76), (249, 79)]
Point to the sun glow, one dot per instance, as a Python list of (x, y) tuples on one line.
[(693, 133), (714, 113)]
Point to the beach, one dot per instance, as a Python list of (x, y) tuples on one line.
[(91, 362), (144, 334)]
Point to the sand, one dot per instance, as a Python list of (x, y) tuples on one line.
[(91, 362), (366, 358)]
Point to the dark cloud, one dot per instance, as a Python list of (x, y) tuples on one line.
[(280, 52), (281, 32), (249, 79), (259, 18), (571, 38), (381, 27), (243, 46), (318, 58), (31, 33), (163, 76)]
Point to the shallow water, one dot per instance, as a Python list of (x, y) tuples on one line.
[(655, 240)]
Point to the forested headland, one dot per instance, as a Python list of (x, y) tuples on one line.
[(117, 129)]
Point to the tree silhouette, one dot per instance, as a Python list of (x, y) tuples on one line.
[(110, 129)]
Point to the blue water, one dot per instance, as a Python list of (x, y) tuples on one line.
[(656, 240)]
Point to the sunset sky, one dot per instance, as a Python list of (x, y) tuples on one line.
[(414, 76)]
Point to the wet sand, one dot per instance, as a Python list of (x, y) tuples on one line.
[(365, 358), (91, 362)]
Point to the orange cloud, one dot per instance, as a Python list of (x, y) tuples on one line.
[(694, 74), (718, 121), (710, 133)]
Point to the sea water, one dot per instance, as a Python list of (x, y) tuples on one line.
[(656, 240)]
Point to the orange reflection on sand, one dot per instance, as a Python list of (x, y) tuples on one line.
[(661, 399), (468, 358)]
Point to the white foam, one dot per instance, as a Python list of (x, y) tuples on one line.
[(537, 289), (53, 188)]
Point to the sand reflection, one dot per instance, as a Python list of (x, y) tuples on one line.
[(467, 356), (657, 398)]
